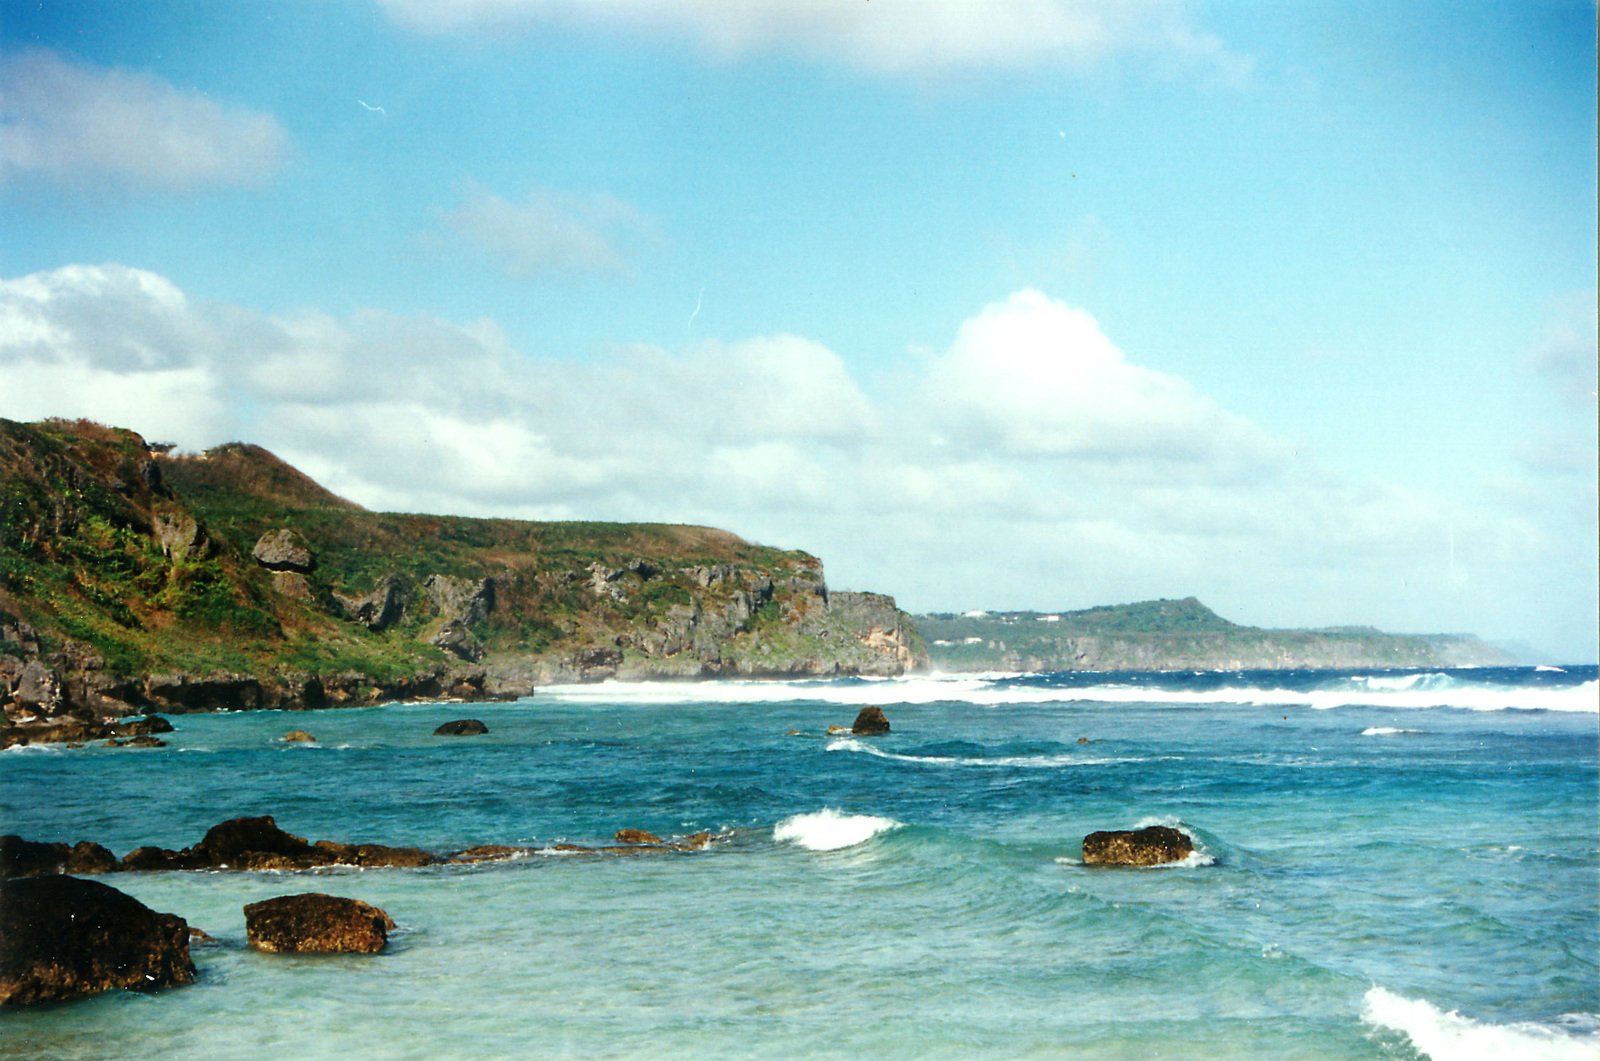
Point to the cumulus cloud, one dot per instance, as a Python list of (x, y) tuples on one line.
[(74, 123), (1031, 463), (892, 37)]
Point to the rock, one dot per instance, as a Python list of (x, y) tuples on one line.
[(230, 843), (258, 843), (460, 600), (180, 535), (29, 858), (144, 742), (378, 610), (832, 729), (293, 584), (298, 736), (694, 842), (66, 938), (490, 853), (140, 727), (870, 723), (284, 550), (1150, 846), (636, 836), (457, 640), (461, 727), (315, 923), (199, 937), (1083, 740)]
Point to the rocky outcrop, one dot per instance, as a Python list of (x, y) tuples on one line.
[(871, 722), (66, 938), (71, 731), (378, 610), (316, 923), (284, 550), (28, 858), (1150, 846), (462, 727), (460, 600), (179, 535), (636, 836), (298, 736), (258, 843)]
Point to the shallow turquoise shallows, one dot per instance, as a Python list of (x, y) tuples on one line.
[(1390, 864)]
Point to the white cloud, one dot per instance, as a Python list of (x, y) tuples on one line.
[(548, 231), (893, 37), (82, 125), (1032, 463)]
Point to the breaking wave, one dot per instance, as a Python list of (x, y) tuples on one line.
[(829, 830), (1452, 1037), (850, 744)]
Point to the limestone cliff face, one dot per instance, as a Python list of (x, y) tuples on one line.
[(134, 579)]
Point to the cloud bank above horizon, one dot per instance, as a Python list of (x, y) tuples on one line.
[(1030, 440)]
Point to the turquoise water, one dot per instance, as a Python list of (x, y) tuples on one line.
[(1390, 865)]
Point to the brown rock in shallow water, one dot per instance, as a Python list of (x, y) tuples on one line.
[(636, 836), (1150, 846), (461, 727), (315, 923), (298, 736), (870, 723), (65, 938), (30, 858), (228, 842)]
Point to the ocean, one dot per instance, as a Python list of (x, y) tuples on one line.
[(1388, 865)]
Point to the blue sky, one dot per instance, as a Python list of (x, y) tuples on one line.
[(1008, 304)]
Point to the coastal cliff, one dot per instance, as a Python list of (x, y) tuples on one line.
[(1175, 635), (133, 578)]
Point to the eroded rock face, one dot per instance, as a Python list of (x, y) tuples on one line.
[(461, 727), (378, 610), (180, 535), (1151, 846), (870, 723), (316, 923), (284, 550), (461, 600), (66, 938)]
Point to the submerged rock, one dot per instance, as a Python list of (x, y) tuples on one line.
[(316, 923), (461, 727), (636, 836), (66, 938), (870, 723), (1151, 846)]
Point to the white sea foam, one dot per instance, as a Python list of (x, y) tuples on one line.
[(1453, 1037), (991, 690), (1386, 731), (829, 830), (850, 744)]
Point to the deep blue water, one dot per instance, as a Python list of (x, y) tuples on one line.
[(1391, 864)]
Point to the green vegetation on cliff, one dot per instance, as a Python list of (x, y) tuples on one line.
[(1173, 635), (140, 578)]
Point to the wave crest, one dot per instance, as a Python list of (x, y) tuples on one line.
[(1450, 1036), (830, 830)]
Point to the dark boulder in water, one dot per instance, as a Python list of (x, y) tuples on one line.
[(30, 858), (65, 938), (258, 843), (461, 727), (870, 723), (1151, 846), (316, 923)]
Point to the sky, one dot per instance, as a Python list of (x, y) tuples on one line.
[(995, 303)]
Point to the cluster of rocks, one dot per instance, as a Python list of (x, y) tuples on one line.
[(76, 732), (259, 844), (67, 938)]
